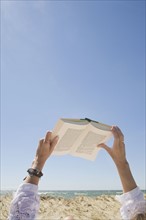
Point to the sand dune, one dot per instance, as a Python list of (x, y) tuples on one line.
[(80, 207)]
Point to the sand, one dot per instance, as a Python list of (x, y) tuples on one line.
[(86, 208), (81, 207)]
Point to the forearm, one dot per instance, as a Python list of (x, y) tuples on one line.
[(126, 176)]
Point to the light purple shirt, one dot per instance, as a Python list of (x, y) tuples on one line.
[(25, 204)]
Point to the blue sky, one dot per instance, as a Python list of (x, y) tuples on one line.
[(71, 59)]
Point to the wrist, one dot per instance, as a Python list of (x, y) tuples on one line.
[(34, 176), (31, 179), (122, 164), (36, 164)]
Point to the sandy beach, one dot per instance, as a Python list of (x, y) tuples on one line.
[(80, 207)]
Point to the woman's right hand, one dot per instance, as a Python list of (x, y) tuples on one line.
[(117, 151)]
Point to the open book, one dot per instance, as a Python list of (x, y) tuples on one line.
[(80, 137)]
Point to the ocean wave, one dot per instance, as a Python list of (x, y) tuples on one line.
[(80, 194)]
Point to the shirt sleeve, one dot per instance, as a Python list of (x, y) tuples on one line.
[(133, 203), (25, 204)]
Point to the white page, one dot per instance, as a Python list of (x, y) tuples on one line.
[(89, 140), (67, 137), (67, 140)]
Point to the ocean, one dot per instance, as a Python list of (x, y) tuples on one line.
[(72, 193)]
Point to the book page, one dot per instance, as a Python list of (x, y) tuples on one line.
[(89, 142), (67, 140), (88, 148)]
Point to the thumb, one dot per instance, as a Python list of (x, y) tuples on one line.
[(104, 146)]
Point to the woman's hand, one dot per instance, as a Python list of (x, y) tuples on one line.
[(117, 151), (44, 150), (118, 154)]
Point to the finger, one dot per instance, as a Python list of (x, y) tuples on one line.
[(54, 142), (41, 141), (104, 146), (121, 136), (48, 137), (116, 135), (115, 132), (119, 130)]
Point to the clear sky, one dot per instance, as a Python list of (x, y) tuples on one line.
[(71, 59)]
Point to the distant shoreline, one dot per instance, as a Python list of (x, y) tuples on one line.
[(70, 193)]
